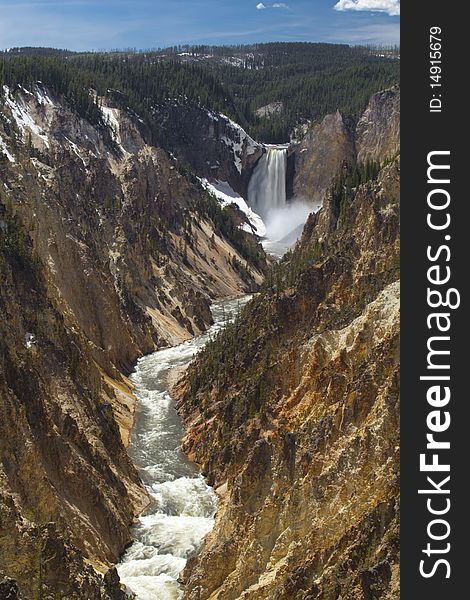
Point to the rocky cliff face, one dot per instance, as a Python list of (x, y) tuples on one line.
[(108, 250), (293, 414), (319, 157), (65, 476), (214, 146), (219, 149), (378, 130), (337, 140)]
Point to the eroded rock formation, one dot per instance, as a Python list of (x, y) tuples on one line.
[(109, 250), (293, 412), (336, 140)]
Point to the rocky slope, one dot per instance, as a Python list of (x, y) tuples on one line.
[(316, 160), (214, 146), (336, 140), (109, 249), (293, 412), (218, 149), (378, 130)]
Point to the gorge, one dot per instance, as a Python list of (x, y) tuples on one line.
[(105, 257), (182, 506), (127, 239)]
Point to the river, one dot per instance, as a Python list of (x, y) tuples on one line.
[(182, 505)]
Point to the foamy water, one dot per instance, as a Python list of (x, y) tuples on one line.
[(183, 505)]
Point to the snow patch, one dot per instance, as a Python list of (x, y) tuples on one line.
[(25, 91), (111, 118), (226, 196), (4, 150), (76, 150), (43, 97), (29, 339), (234, 61), (23, 119), (241, 140)]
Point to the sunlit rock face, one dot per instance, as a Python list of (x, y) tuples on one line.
[(327, 145), (108, 251), (378, 130), (319, 156), (294, 415)]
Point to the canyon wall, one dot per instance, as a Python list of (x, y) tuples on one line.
[(293, 412), (109, 249), (336, 140), (214, 146)]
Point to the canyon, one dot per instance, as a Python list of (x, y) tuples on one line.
[(292, 412), (109, 251), (114, 248)]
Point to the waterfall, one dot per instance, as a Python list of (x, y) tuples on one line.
[(267, 197), (267, 187)]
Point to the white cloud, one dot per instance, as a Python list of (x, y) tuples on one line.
[(391, 7), (262, 6)]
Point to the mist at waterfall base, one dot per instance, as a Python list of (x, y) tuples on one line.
[(267, 197), (284, 224)]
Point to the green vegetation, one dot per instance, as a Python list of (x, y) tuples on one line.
[(310, 80), (15, 244), (245, 351), (222, 218), (352, 176)]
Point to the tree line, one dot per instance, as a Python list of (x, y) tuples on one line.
[(310, 80)]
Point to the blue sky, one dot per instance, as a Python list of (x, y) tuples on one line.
[(106, 24)]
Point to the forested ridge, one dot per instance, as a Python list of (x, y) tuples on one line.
[(307, 80)]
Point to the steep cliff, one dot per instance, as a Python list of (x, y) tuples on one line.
[(64, 468), (293, 413), (315, 160), (109, 249), (319, 156), (378, 130), (214, 146)]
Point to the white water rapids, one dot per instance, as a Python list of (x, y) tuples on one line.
[(183, 505)]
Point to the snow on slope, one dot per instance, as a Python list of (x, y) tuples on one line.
[(112, 118), (43, 97), (241, 139), (22, 117), (4, 150), (226, 196)]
